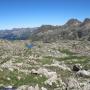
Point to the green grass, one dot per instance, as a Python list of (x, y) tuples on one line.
[(66, 51), (46, 60), (25, 79), (31, 80), (19, 60), (72, 57)]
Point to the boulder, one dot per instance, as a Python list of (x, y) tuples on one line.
[(83, 73)]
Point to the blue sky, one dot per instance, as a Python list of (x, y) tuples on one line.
[(33, 13)]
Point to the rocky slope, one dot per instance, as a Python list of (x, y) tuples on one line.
[(61, 65), (72, 30)]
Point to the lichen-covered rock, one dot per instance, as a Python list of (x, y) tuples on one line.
[(73, 84)]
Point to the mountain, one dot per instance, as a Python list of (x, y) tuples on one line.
[(73, 29), (16, 33), (73, 22)]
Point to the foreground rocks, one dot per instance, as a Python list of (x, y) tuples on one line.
[(47, 66), (26, 87), (83, 73), (73, 84), (52, 76)]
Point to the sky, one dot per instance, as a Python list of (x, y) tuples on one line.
[(34, 13)]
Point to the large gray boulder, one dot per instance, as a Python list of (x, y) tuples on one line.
[(83, 73)]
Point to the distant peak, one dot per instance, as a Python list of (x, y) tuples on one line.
[(73, 22), (87, 20)]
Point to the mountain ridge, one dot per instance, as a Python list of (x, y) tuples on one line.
[(73, 29)]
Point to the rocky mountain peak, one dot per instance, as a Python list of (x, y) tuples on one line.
[(73, 22), (87, 20)]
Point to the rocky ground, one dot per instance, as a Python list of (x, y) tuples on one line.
[(60, 65)]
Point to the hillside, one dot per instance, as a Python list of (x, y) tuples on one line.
[(46, 58), (71, 30), (16, 33)]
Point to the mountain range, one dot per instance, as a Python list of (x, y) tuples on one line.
[(71, 30)]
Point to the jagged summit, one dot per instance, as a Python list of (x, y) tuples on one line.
[(73, 22), (72, 30), (87, 20)]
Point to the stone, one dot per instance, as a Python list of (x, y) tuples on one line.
[(9, 87), (83, 73), (36, 87), (42, 88), (31, 88), (51, 80), (73, 84), (87, 87), (33, 71), (23, 87)]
